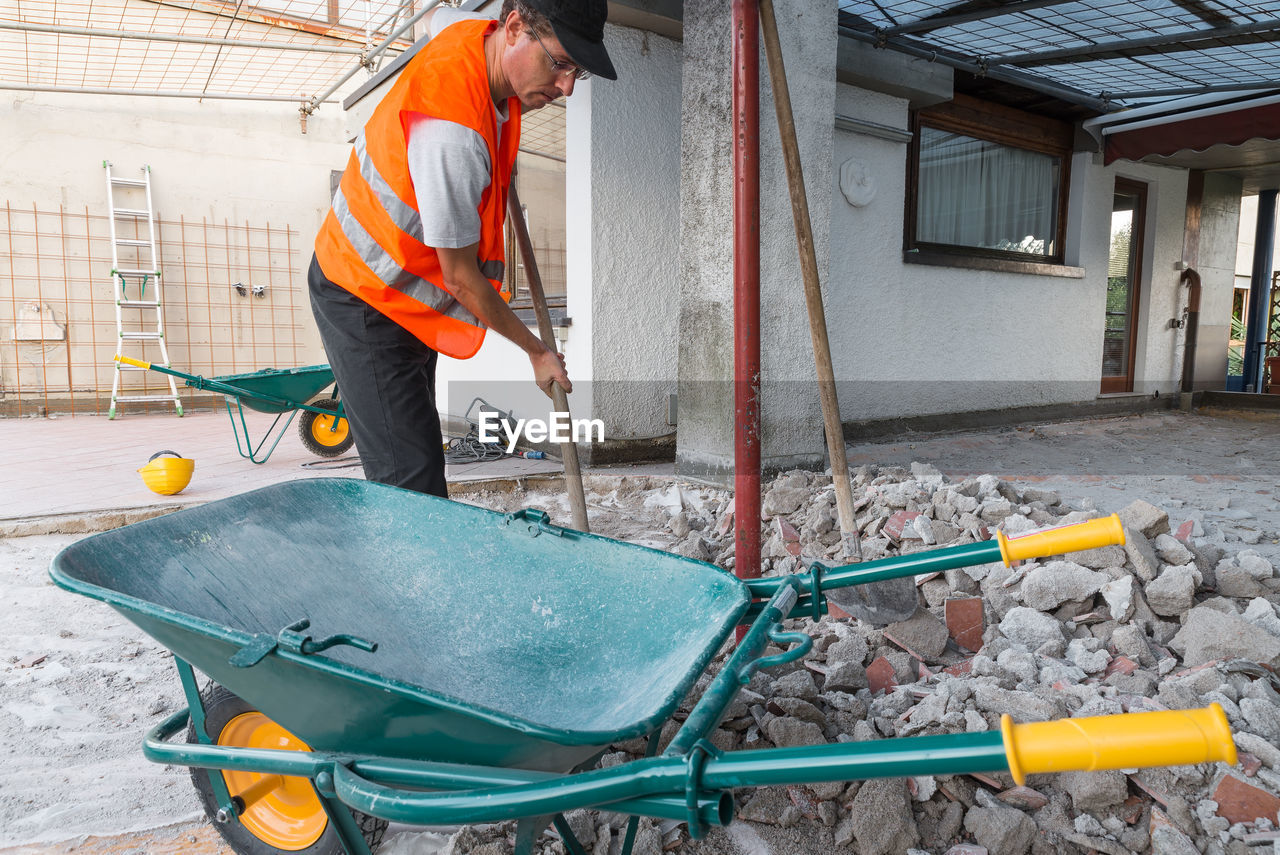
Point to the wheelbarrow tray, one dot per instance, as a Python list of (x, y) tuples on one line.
[(267, 390), (501, 641)]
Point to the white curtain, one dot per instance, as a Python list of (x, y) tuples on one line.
[(982, 194)]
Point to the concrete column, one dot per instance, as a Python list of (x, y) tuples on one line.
[(1259, 288), (791, 413), (622, 232)]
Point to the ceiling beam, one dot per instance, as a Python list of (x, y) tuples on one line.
[(1007, 75), (1185, 40), (948, 18), (1210, 16), (94, 32)]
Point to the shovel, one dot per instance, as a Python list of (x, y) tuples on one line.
[(884, 602)]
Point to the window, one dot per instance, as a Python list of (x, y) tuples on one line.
[(988, 181)]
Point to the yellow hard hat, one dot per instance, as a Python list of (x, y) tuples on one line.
[(167, 475)]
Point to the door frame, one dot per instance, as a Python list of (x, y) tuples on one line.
[(1137, 247)]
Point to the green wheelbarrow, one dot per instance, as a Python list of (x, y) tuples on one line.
[(323, 428), (376, 655)]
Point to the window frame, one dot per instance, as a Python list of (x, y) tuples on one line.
[(996, 123)]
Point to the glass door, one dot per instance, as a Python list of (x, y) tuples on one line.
[(1124, 277)]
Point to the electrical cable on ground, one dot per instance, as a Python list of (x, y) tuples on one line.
[(469, 449)]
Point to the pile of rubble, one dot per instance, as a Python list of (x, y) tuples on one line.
[(1167, 621)]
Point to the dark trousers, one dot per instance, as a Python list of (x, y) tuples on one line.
[(387, 380)]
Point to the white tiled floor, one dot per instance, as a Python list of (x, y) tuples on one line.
[(77, 464)]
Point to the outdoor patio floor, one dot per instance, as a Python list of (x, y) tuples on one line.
[(74, 465)]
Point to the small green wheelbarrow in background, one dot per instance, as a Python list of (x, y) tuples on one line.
[(323, 428), (377, 655)]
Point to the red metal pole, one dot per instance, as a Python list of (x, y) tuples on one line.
[(746, 286)]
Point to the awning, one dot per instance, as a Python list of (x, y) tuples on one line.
[(1230, 125)]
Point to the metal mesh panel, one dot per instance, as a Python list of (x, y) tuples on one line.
[(1153, 48)]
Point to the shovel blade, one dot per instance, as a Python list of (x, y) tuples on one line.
[(878, 603)]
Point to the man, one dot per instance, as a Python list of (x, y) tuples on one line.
[(409, 262)]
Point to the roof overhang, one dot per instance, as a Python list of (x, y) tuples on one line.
[(1232, 135)]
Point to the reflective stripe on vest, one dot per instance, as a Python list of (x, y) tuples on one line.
[(393, 276)]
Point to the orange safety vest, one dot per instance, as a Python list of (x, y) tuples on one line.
[(371, 240)]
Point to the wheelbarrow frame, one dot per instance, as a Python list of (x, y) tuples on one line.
[(233, 386), (691, 781)]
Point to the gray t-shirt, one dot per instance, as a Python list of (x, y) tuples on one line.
[(449, 166)]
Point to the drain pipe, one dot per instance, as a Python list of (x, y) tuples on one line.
[(746, 288), (1191, 279), (1264, 242)]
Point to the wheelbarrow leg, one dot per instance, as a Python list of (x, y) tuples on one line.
[(250, 451), (528, 830), (348, 830), (633, 824), (195, 706), (571, 843)]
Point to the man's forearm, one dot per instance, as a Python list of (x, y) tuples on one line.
[(476, 293)]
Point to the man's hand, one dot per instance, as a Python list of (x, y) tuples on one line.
[(548, 368)]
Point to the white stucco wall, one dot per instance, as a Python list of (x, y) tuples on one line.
[(918, 340), (227, 162), (634, 205), (621, 223), (1219, 245)]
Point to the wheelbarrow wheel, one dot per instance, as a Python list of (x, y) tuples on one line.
[(324, 435), (285, 818)]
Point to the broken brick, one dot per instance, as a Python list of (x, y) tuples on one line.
[(895, 525), (1249, 764), (1241, 802), (787, 531), (804, 801), (880, 676), (1024, 798), (1121, 665), (836, 612), (965, 621), (959, 669), (1184, 531), (1131, 809), (33, 660), (986, 779)]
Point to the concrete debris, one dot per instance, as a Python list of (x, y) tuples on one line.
[(1146, 518), (1092, 791), (1030, 628), (1118, 595), (1208, 635), (882, 817), (923, 635), (999, 828), (1045, 588), (1173, 591), (1172, 551), (1169, 621)]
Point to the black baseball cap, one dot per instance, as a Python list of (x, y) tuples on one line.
[(579, 25)]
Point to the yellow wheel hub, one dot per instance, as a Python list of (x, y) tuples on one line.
[(329, 430), (284, 812)]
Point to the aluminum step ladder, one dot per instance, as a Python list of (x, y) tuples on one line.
[(145, 323)]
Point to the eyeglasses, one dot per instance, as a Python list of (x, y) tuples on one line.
[(561, 69)]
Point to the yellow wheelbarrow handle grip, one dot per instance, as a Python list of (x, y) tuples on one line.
[(137, 363), (1176, 737), (1107, 531)]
